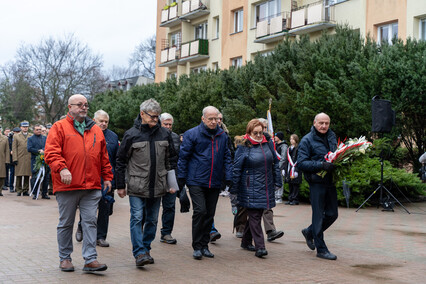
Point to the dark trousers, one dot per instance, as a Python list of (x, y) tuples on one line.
[(105, 209), (204, 202), (253, 229), (294, 192), (22, 188), (324, 212), (10, 176), (168, 202), (240, 219)]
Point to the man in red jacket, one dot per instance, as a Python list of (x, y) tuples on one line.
[(77, 155)]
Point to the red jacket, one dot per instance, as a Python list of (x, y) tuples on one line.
[(86, 157)]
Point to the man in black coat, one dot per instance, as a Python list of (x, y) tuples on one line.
[(312, 149)]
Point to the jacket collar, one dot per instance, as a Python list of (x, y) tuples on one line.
[(89, 122), (205, 132)]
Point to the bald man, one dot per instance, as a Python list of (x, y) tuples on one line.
[(77, 156), (312, 149)]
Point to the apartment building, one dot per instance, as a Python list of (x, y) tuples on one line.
[(195, 35)]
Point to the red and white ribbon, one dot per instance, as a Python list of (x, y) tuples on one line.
[(292, 165)]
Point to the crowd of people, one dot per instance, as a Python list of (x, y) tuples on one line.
[(154, 166)]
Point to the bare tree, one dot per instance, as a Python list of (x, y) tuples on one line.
[(143, 58), (59, 68)]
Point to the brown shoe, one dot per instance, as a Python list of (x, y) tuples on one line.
[(95, 266), (102, 243), (66, 265)]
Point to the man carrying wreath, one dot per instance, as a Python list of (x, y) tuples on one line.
[(312, 149)]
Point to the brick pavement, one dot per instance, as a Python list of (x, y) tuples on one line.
[(372, 247)]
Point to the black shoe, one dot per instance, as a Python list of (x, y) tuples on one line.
[(18, 194), (205, 252), (1, 194), (248, 247), (288, 203), (273, 235), (215, 236), (326, 255), (12, 190), (309, 241), (34, 197), (197, 254), (261, 252), (294, 203), (144, 259), (5, 188), (45, 197), (79, 234), (25, 194)]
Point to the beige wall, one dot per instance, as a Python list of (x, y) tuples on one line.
[(353, 13), (160, 72), (380, 12), (233, 45), (416, 10)]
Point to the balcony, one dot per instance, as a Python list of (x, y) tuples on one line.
[(194, 51), (169, 17), (311, 18), (272, 28), (187, 52), (192, 9)]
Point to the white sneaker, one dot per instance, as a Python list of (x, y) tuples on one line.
[(278, 201)]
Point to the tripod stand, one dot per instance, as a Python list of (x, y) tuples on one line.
[(381, 187)]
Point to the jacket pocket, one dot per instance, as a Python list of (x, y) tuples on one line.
[(139, 158), (138, 183), (162, 184)]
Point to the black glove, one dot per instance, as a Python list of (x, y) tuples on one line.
[(184, 201), (181, 183), (15, 163), (328, 167)]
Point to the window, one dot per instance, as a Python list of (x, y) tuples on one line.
[(172, 75), (175, 39), (198, 69), (422, 29), (387, 32), (267, 10), (238, 21), (217, 30), (201, 31), (237, 62), (215, 66)]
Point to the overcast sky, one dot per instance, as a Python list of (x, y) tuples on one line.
[(111, 28)]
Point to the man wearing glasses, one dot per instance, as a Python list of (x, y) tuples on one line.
[(145, 156), (203, 159), (77, 155)]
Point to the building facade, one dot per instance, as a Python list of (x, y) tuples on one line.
[(195, 35)]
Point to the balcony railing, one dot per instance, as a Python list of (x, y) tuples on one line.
[(169, 17), (272, 28), (187, 52), (311, 18), (192, 9)]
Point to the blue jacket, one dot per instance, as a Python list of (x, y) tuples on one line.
[(112, 147), (310, 156), (34, 144), (203, 157), (256, 173)]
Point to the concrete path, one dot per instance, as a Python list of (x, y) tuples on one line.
[(372, 247)]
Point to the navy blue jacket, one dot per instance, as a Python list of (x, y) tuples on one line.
[(112, 147), (256, 173), (34, 144), (204, 157), (310, 156)]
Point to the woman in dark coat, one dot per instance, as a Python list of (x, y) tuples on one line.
[(256, 174), (292, 174)]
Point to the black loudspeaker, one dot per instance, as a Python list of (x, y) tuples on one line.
[(383, 117)]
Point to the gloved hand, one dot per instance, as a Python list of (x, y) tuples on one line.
[(184, 201), (328, 167), (181, 183), (15, 163)]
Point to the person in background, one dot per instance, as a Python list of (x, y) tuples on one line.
[(291, 171), (256, 174), (11, 170), (8, 161), (22, 160), (281, 148), (4, 160)]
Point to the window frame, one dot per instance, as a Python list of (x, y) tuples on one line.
[(390, 32), (422, 29), (203, 27), (238, 20), (237, 62)]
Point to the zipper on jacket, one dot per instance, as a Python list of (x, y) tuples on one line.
[(266, 176), (211, 170), (94, 140)]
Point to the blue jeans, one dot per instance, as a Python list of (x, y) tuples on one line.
[(168, 217), (143, 222)]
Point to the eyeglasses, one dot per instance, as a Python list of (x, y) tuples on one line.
[(255, 133), (81, 105), (151, 116), (167, 124), (213, 118)]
